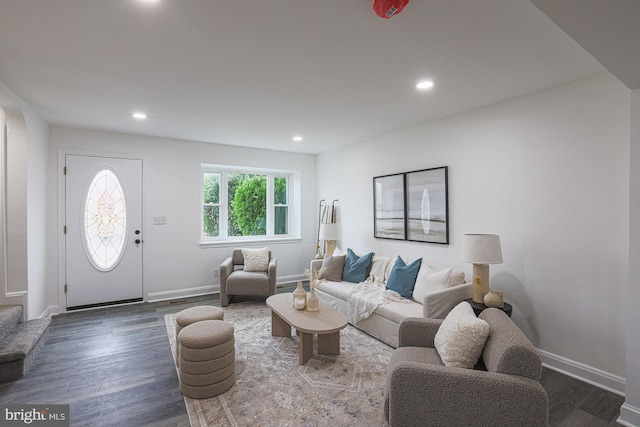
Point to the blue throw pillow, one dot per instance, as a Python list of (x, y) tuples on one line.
[(402, 278), (356, 269)]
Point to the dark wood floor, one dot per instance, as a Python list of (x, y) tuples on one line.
[(114, 367)]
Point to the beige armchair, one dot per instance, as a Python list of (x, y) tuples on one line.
[(234, 280), (503, 391)]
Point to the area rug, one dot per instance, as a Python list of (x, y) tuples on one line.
[(273, 389)]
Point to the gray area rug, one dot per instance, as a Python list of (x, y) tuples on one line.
[(273, 389)]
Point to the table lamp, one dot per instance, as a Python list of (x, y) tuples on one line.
[(329, 232), (481, 250)]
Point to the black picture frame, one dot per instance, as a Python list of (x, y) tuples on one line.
[(389, 207), (412, 206), (427, 205)]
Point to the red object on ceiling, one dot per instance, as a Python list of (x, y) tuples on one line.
[(387, 8)]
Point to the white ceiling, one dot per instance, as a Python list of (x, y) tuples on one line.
[(254, 72), (608, 30)]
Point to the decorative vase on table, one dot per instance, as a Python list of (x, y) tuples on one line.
[(299, 297), (313, 303), (494, 299)]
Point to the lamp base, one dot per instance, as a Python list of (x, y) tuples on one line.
[(480, 282), (329, 247)]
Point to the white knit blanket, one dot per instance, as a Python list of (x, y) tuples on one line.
[(366, 297)]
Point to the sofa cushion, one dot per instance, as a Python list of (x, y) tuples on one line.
[(340, 290), (415, 354), (396, 311), (247, 282), (402, 278), (461, 337), (455, 278), (428, 282), (333, 266), (256, 259), (356, 269), (432, 279), (380, 268)]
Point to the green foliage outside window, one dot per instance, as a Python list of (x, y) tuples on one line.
[(211, 189), (250, 205), (281, 212), (235, 180), (247, 205)]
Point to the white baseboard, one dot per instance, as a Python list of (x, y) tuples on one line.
[(207, 290), (50, 311), (186, 293), (582, 372), (290, 279), (183, 293), (629, 415)]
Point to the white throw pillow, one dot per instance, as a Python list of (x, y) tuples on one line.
[(461, 337), (428, 281), (256, 259), (456, 277), (380, 268)]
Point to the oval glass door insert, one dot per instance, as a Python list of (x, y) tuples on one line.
[(105, 221)]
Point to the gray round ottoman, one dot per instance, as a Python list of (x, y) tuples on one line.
[(197, 314), (207, 364)]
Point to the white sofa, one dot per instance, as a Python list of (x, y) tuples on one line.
[(384, 323)]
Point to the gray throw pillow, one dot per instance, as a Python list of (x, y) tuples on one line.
[(333, 266)]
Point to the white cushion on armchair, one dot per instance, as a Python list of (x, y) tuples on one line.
[(461, 336)]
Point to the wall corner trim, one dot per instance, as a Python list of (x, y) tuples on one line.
[(629, 415)]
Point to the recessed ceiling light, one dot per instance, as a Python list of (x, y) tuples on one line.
[(139, 116), (297, 138), (424, 84)]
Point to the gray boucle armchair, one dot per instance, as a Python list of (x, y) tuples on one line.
[(235, 281), (421, 391)]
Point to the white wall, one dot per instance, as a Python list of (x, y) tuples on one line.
[(549, 173), (40, 206), (27, 206), (630, 411), (16, 193), (174, 263)]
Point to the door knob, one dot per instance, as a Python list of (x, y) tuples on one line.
[(137, 231), (138, 241)]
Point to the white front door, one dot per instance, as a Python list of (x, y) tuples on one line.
[(103, 238)]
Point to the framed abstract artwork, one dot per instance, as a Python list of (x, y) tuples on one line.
[(412, 206), (427, 205), (389, 207)]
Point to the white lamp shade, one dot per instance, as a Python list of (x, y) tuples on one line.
[(482, 249), (329, 231)]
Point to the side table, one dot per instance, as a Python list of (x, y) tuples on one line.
[(478, 307)]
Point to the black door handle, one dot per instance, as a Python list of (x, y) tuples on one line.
[(138, 241)]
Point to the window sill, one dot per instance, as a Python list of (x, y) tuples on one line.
[(249, 242)]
